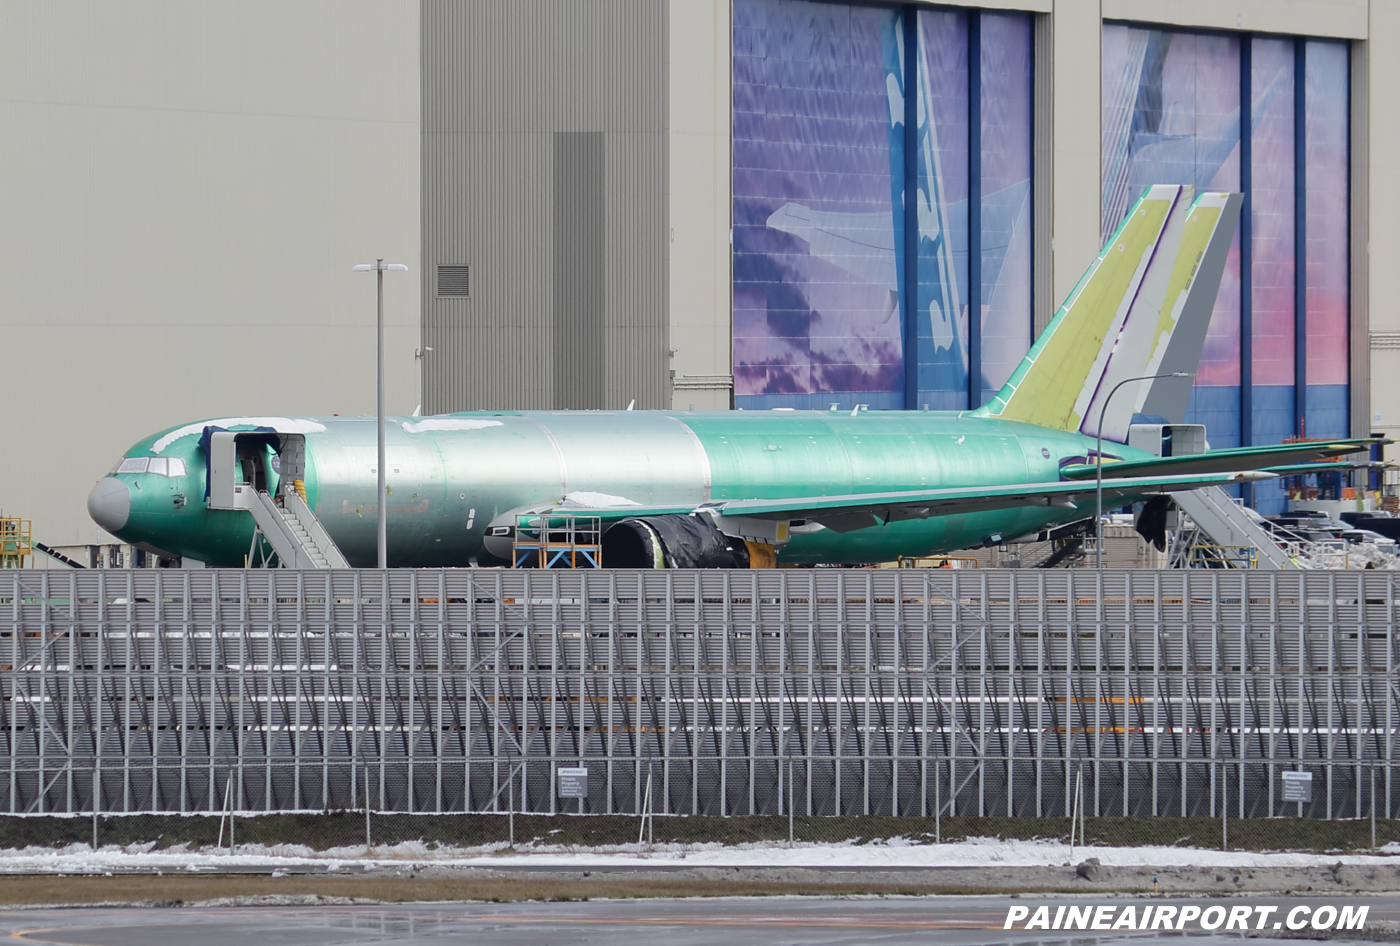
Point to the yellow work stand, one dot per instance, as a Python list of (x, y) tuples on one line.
[(16, 543)]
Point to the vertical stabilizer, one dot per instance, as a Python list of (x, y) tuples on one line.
[(1187, 308), (1142, 308)]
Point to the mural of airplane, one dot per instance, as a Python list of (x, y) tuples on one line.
[(738, 487), (865, 244)]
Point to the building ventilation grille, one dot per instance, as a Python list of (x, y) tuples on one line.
[(455, 281)]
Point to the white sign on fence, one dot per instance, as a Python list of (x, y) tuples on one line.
[(1297, 786), (573, 783)]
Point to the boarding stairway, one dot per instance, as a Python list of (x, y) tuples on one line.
[(236, 474), (1230, 526), (294, 532), (57, 556)]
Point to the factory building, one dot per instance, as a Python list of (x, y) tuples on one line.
[(679, 203)]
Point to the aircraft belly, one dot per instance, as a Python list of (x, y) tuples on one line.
[(919, 537)]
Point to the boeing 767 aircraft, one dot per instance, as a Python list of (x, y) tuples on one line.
[(725, 488)]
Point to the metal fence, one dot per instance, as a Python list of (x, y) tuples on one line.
[(820, 691)]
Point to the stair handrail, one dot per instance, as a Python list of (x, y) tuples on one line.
[(292, 501), (290, 553)]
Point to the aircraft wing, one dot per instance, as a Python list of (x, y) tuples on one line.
[(1221, 461), (862, 510)]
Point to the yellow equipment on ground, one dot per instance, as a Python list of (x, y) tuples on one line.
[(16, 542)]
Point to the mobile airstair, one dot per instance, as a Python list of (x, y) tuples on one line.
[(294, 532), (1232, 529), (284, 521)]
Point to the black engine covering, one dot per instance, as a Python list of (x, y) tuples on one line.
[(1152, 521), (690, 541)]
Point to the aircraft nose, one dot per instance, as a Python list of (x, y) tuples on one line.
[(109, 503)]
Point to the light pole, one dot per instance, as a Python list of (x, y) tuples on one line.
[(379, 267), (1098, 459)]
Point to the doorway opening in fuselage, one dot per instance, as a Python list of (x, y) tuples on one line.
[(252, 466)]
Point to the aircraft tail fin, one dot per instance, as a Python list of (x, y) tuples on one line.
[(1142, 308)]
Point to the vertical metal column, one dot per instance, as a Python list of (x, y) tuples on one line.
[(1246, 231), (974, 208), (909, 289), (1300, 235)]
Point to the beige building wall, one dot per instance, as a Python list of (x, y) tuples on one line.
[(1383, 239), (183, 190), (1076, 151), (699, 188), (544, 170)]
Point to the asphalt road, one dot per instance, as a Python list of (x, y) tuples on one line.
[(966, 921)]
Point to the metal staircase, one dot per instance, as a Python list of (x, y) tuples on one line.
[(57, 555), (294, 532), (1230, 526)]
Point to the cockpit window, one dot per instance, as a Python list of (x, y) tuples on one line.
[(160, 466)]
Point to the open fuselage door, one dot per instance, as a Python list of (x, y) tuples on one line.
[(239, 478)]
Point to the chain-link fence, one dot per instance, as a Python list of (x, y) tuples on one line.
[(831, 704)]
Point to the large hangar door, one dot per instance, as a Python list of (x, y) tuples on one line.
[(580, 344)]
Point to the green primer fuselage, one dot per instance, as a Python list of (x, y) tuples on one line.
[(449, 476)]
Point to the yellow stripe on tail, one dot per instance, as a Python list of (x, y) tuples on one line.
[(1141, 308)]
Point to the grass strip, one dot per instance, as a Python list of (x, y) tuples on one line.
[(336, 829)]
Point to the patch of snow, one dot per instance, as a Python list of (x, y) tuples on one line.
[(905, 853), (449, 423), (582, 499), (283, 425)]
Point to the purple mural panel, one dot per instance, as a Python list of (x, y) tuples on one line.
[(1272, 219), (815, 286), (1325, 102), (1171, 116), (1006, 196), (941, 150)]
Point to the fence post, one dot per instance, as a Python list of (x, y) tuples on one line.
[(1075, 813), (646, 811), (228, 810), (1224, 807), (1373, 807), (1084, 809), (369, 847), (96, 800), (791, 825), (937, 804), (510, 806)]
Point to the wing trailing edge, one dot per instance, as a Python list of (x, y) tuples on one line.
[(855, 511)]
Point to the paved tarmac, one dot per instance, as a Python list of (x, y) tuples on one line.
[(955, 921)]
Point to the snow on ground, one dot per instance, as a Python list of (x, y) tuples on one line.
[(897, 853)]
